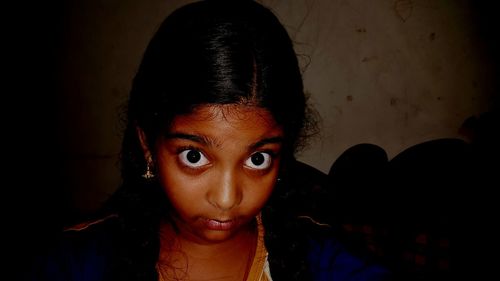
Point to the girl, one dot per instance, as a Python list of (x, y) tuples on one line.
[(216, 112)]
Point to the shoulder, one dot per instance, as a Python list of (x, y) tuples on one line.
[(330, 259), (100, 223), (98, 234), (81, 252)]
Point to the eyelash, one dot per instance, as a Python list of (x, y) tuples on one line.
[(271, 154), (188, 149)]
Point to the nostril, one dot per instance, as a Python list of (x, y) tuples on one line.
[(225, 196), (224, 201)]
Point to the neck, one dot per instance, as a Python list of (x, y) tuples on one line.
[(181, 256)]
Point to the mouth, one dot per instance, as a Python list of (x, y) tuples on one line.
[(220, 225)]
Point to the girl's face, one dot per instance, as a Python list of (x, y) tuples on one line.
[(218, 166)]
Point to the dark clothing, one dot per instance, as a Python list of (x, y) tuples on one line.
[(86, 254)]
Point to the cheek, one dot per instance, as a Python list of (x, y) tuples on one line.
[(180, 188), (258, 192), (174, 179), (182, 192)]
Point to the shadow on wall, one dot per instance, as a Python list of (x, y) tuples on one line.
[(428, 212)]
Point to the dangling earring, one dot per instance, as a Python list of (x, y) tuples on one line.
[(148, 174)]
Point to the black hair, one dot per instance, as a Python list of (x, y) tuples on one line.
[(209, 52)]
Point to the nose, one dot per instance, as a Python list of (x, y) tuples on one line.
[(225, 193)]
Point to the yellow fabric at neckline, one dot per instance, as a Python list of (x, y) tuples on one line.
[(259, 270)]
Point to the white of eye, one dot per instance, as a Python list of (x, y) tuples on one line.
[(193, 158), (259, 161)]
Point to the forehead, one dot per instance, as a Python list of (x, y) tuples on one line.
[(220, 120)]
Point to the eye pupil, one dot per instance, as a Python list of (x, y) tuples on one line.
[(193, 156), (258, 159)]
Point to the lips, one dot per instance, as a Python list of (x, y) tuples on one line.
[(220, 225)]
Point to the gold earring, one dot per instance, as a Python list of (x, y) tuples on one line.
[(148, 174)]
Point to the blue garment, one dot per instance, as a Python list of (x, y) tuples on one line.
[(76, 256), (329, 260), (86, 255)]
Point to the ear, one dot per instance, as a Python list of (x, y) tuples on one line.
[(144, 144)]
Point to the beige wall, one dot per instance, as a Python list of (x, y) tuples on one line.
[(389, 72)]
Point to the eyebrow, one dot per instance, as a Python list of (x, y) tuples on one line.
[(277, 139), (211, 142), (199, 139)]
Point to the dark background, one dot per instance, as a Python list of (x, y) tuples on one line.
[(35, 198)]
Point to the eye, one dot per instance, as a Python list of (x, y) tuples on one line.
[(193, 158), (259, 161)]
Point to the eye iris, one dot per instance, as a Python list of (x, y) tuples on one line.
[(193, 156), (258, 159)]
